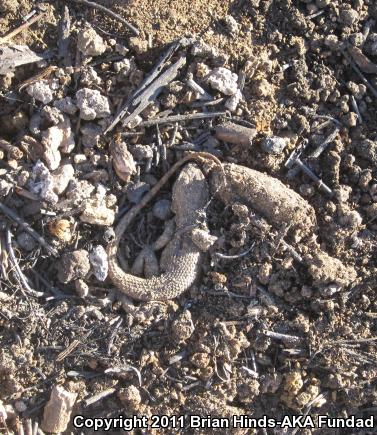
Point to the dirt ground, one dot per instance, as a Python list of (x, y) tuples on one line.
[(289, 328)]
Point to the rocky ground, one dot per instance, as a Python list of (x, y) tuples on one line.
[(277, 323)]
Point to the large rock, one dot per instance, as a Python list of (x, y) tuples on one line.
[(57, 412)]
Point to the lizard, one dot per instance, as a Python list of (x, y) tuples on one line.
[(181, 256), (230, 182)]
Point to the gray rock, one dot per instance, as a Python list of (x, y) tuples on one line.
[(99, 261), (41, 91), (273, 144), (162, 209), (26, 241), (348, 17), (136, 192), (66, 105), (92, 104), (91, 134)]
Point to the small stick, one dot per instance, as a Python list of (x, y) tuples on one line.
[(152, 76), (113, 335), (162, 150), (292, 250), (202, 103), (241, 80), (295, 160), (180, 118), (131, 133), (319, 150), (360, 74), (172, 140), (366, 30), (147, 92), (26, 194), (56, 291), (29, 15), (291, 339), (329, 118), (356, 340), (356, 109), (64, 37), (27, 289), (234, 257), (250, 372), (204, 95), (110, 13), (99, 396), (317, 14), (253, 361), (11, 214), (40, 76), (19, 29), (3, 259), (68, 351), (228, 293), (123, 369)]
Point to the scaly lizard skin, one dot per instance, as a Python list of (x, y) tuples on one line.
[(182, 257)]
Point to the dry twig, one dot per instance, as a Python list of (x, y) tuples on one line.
[(26, 287), (110, 13), (19, 29), (12, 215), (180, 118)]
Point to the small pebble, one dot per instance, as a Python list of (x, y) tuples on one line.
[(97, 212), (137, 191), (162, 209), (99, 261), (273, 144), (231, 24), (90, 43), (92, 104), (223, 80), (79, 158), (109, 235), (40, 91), (348, 17), (26, 241), (20, 406), (82, 289)]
